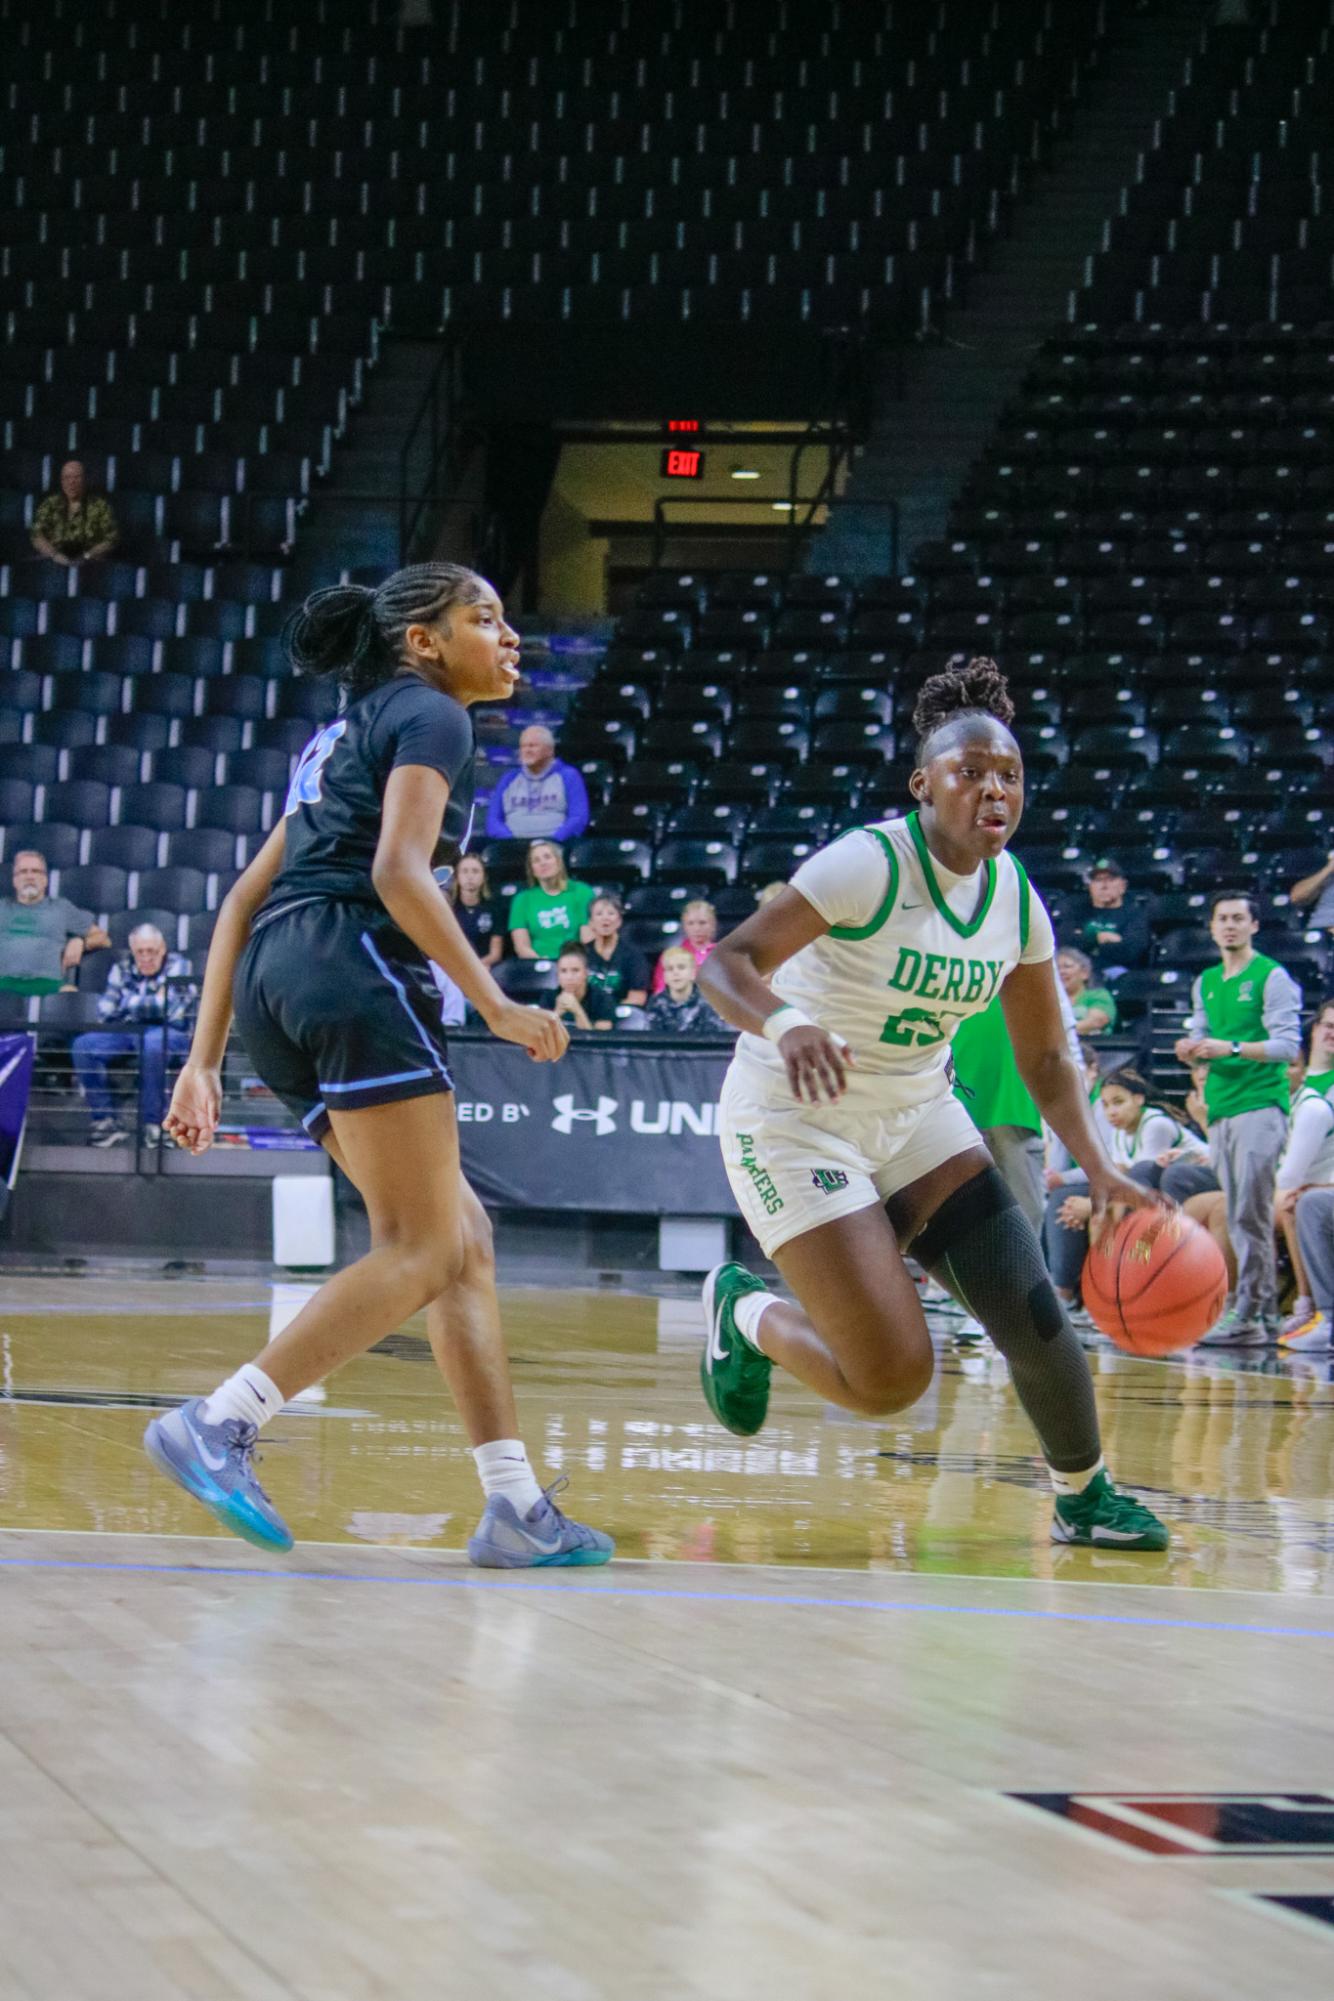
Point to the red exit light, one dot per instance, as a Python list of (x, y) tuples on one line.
[(676, 425), (678, 463)]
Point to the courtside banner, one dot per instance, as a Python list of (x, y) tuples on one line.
[(15, 1083), (602, 1130)]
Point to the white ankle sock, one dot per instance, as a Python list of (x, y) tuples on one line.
[(746, 1314), (1075, 1483), (502, 1468), (248, 1394)]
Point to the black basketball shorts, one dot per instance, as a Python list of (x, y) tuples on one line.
[(336, 1014)]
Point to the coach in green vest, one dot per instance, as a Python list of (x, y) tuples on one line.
[(1245, 1023)]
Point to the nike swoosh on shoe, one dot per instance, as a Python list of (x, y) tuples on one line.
[(713, 1348), (1102, 1534)]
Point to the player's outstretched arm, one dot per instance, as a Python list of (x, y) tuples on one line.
[(414, 808), (1042, 1052), (196, 1100), (733, 979)]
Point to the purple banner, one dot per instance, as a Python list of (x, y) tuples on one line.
[(16, 1054)]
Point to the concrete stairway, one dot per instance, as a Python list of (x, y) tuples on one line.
[(922, 445), (354, 521)]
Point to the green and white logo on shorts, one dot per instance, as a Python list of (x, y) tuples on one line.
[(760, 1180), (829, 1179)]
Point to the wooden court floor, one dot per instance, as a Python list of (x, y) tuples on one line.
[(840, 1721)]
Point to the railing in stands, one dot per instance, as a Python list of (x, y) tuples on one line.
[(798, 524), (433, 435)]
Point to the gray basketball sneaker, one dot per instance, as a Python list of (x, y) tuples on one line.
[(1235, 1330), (216, 1463), (506, 1540)]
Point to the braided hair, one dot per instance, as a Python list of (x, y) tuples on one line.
[(355, 635), (965, 688)]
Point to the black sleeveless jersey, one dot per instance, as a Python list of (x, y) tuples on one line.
[(336, 795)]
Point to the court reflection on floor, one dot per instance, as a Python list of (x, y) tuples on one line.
[(1240, 1459)]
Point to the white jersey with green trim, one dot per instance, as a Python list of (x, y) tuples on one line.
[(1308, 1158), (912, 951)]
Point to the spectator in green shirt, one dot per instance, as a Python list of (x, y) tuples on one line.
[(553, 911), (1244, 1022), (1095, 1010), (73, 525)]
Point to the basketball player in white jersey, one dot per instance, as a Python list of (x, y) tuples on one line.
[(844, 1144)]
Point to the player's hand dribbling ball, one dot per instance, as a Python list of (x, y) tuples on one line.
[(1155, 1283)]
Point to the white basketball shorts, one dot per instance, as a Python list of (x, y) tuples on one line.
[(794, 1166)]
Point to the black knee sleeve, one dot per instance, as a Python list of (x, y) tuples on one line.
[(1009, 1246), (983, 1248)]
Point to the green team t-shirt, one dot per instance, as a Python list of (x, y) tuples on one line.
[(986, 1077), (1235, 1012), (1095, 997), (552, 919)]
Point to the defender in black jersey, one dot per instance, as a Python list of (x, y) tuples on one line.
[(324, 950), (335, 1003)]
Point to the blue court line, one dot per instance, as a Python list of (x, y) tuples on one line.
[(788, 1600)]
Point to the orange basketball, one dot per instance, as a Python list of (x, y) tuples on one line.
[(1155, 1283)]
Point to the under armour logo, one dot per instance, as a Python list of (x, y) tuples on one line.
[(567, 1112)]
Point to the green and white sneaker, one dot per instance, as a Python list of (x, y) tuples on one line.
[(1106, 1518), (735, 1376)]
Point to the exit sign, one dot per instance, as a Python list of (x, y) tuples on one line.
[(680, 463)]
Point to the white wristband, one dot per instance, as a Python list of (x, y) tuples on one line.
[(777, 1024)]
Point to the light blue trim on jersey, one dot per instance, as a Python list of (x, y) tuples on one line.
[(425, 1040), (369, 1083), (316, 1111)]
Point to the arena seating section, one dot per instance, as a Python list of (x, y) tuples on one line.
[(208, 224), (209, 221)]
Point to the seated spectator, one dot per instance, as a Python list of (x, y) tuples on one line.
[(1115, 931), (469, 894), (699, 935), (580, 1004), (1150, 1143), (1314, 1216), (680, 1008), (1061, 1168), (1308, 1163), (1095, 1010), (42, 937), (543, 799), (1317, 889), (613, 963), (73, 525), (554, 909), (151, 989)]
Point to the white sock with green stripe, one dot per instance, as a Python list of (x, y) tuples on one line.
[(746, 1313), (1075, 1483)]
